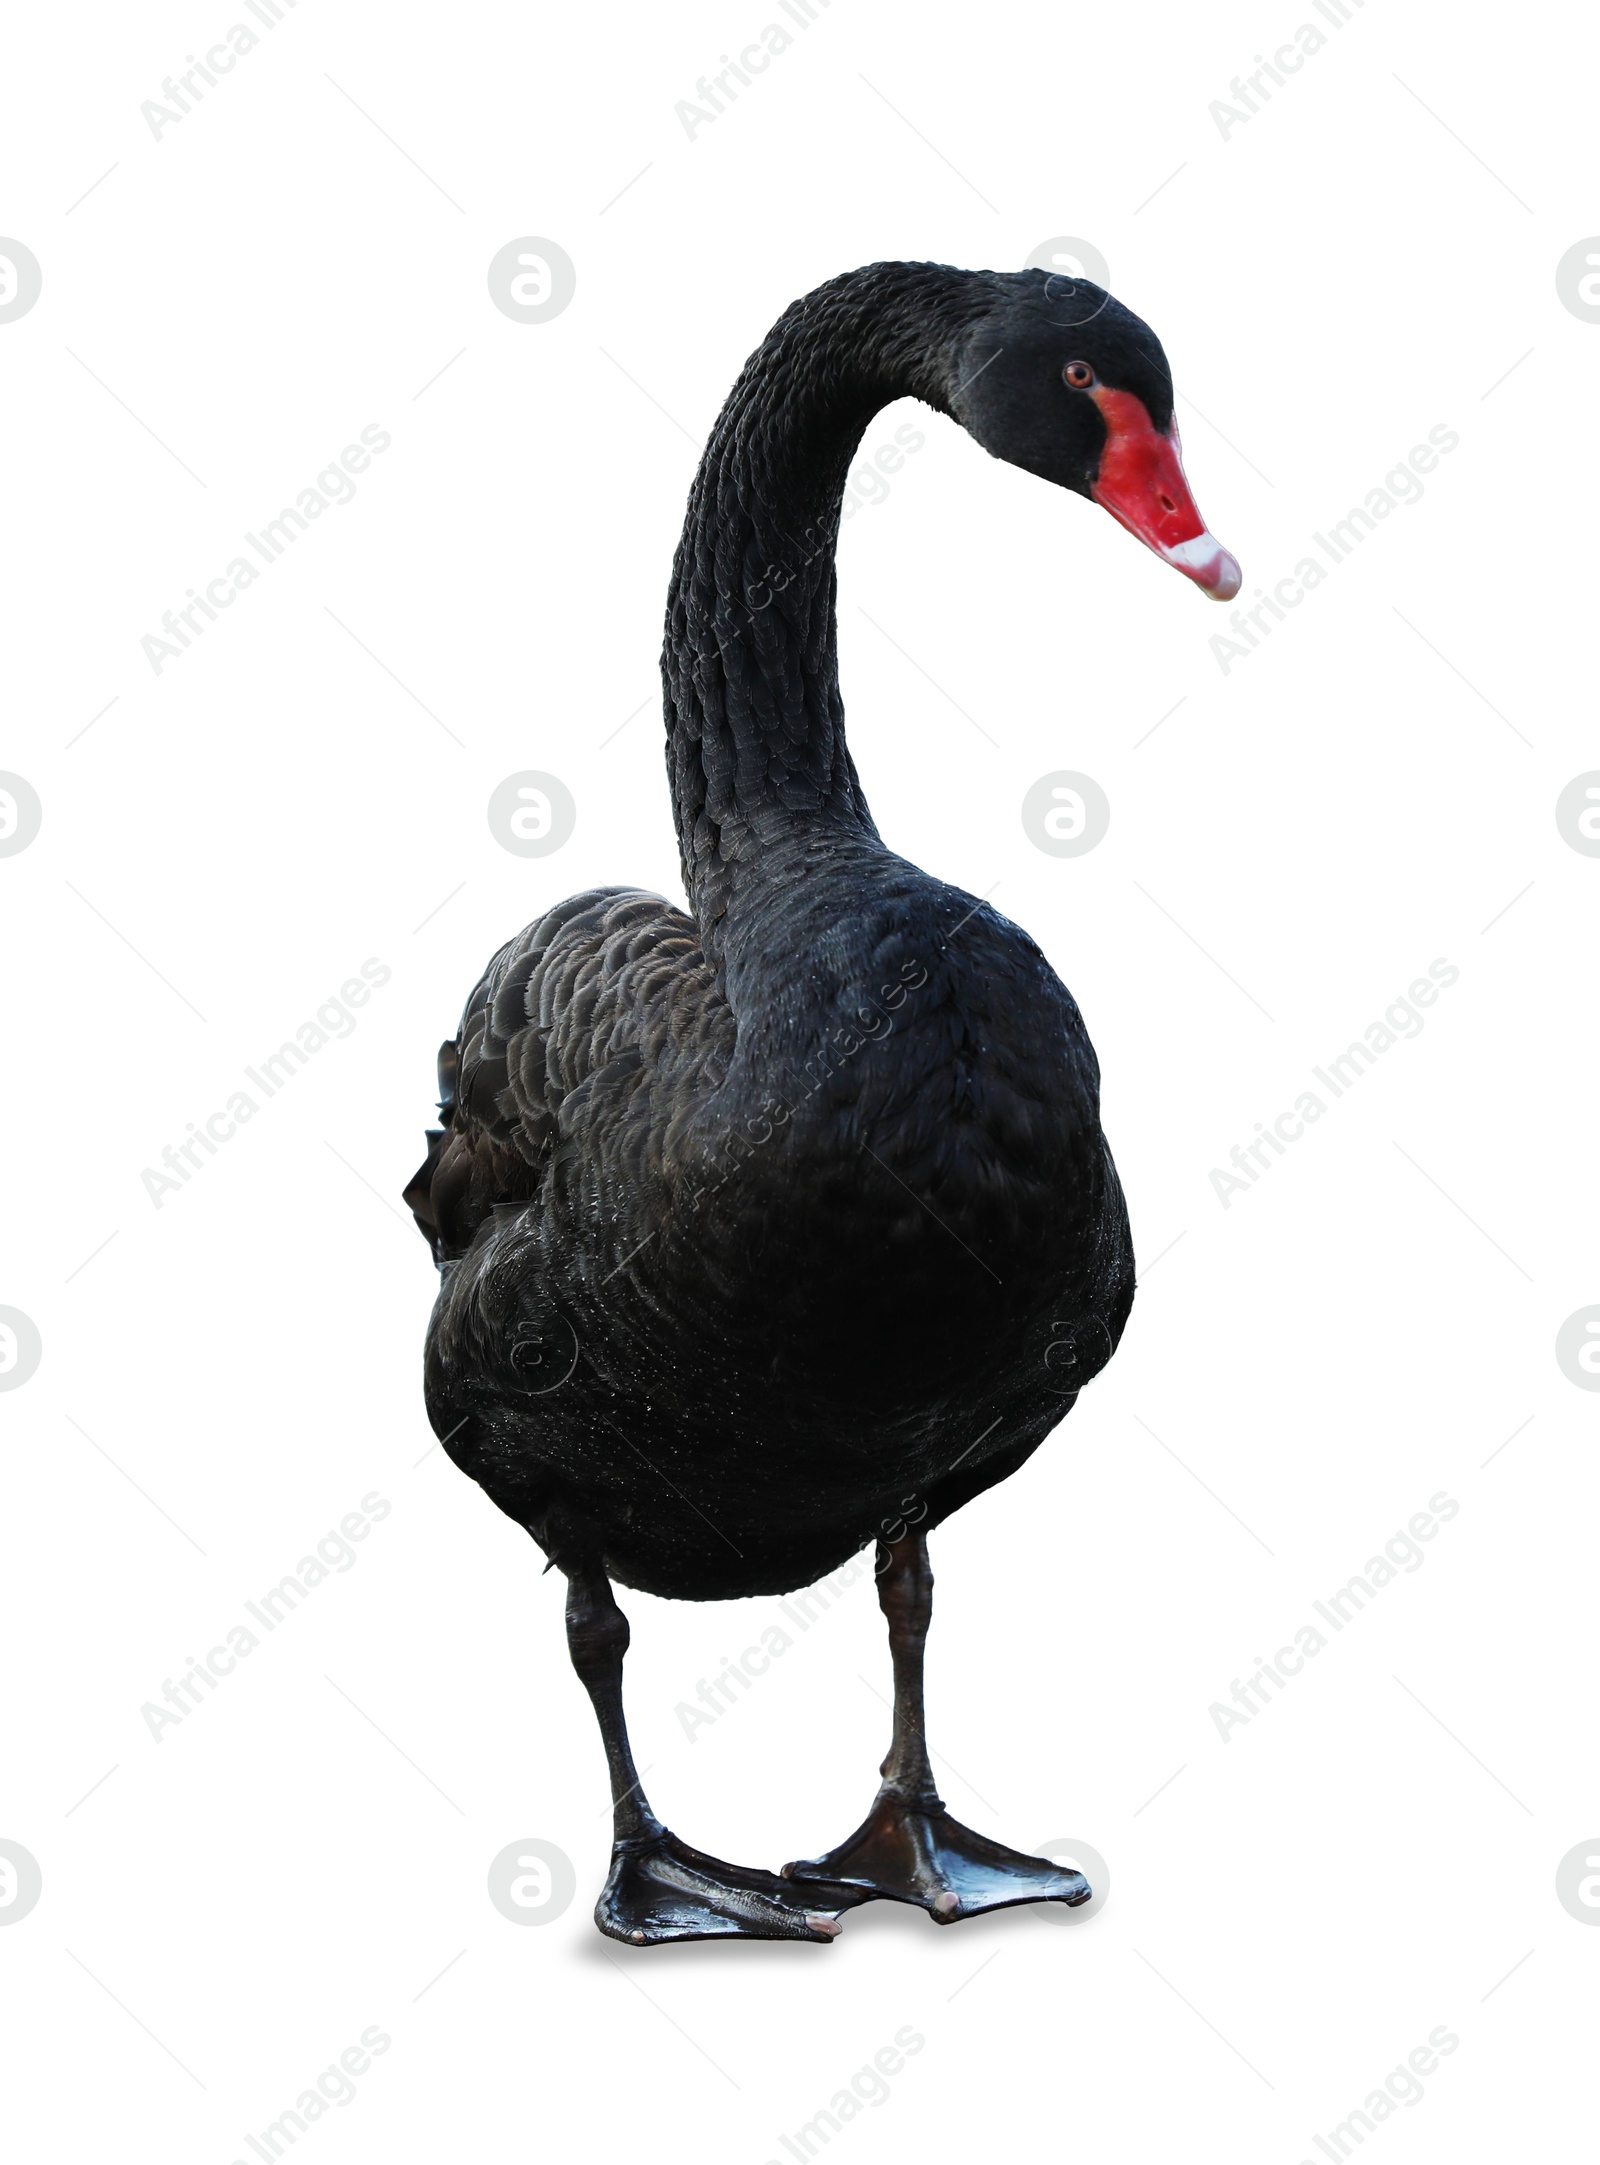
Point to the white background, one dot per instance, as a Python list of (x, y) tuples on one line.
[(1372, 788)]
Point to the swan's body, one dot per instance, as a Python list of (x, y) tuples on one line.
[(783, 1226), (788, 1260)]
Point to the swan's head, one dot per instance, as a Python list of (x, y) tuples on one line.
[(1064, 381)]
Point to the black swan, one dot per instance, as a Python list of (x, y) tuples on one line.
[(787, 1225)]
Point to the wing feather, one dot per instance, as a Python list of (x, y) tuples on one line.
[(586, 1018)]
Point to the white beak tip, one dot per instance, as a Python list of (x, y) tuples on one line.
[(1208, 563), (1228, 581)]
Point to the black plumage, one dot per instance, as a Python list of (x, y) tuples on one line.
[(785, 1224)]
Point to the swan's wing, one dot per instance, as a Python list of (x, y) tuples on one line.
[(577, 1025)]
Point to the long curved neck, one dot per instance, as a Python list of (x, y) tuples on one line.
[(755, 725)]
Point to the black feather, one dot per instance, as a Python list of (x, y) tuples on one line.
[(813, 1228)]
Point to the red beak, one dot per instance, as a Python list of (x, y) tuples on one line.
[(1142, 485)]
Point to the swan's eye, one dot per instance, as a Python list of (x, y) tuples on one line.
[(1079, 374)]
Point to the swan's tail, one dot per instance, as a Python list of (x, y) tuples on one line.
[(418, 1190)]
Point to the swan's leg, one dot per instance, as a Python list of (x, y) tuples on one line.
[(658, 1888), (909, 1848), (597, 1639)]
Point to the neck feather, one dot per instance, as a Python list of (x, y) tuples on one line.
[(756, 751)]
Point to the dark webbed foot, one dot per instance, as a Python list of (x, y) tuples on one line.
[(660, 1889), (917, 1853), (909, 1849)]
